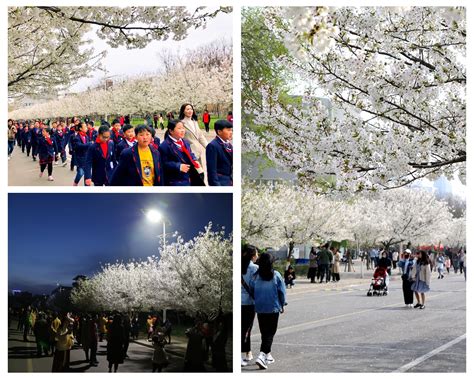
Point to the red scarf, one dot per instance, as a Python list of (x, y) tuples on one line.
[(133, 139), (82, 136), (103, 146), (48, 140), (185, 151)]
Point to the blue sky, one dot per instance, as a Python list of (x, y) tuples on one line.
[(54, 237)]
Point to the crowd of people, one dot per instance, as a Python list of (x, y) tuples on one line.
[(263, 289), (122, 155), (57, 333)]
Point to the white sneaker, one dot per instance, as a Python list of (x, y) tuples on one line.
[(50, 178), (261, 361), (248, 356), (56, 163), (243, 362), (270, 359), (64, 164)]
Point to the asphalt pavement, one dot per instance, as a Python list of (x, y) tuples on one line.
[(336, 327)]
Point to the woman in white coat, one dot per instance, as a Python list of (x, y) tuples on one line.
[(194, 134)]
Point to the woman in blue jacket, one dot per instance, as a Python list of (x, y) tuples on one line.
[(248, 270), (269, 293)]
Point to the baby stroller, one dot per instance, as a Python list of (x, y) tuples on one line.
[(378, 286)]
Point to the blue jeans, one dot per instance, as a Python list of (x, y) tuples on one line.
[(79, 175), (11, 145)]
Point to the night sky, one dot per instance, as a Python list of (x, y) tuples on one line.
[(54, 237)]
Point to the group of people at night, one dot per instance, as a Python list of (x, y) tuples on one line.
[(122, 155), (57, 333)]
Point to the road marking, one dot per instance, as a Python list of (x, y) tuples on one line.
[(304, 324), (432, 353)]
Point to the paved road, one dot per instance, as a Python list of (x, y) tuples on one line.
[(22, 356), (23, 171), (337, 328)]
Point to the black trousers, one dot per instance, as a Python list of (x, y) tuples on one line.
[(268, 324), (324, 270), (50, 168), (407, 292), (206, 126), (248, 315)]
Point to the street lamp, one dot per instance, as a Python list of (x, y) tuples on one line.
[(155, 217)]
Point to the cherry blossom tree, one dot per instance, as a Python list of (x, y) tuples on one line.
[(207, 81), (276, 215), (48, 50), (193, 276), (385, 101)]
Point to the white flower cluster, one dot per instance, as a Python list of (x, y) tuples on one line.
[(47, 44), (193, 276), (187, 81), (275, 215), (395, 81)]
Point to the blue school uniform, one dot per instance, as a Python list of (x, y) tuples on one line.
[(122, 146), (80, 147), (100, 168), (219, 158), (92, 134), (116, 138), (173, 158), (46, 150), (129, 171)]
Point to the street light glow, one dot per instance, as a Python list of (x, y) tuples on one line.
[(154, 216)]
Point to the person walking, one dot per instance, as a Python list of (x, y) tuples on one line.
[(325, 258), (440, 265), (115, 343), (406, 265), (270, 298), (247, 305), (313, 264), (336, 266), (421, 277)]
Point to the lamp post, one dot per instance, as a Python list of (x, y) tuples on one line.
[(155, 217)]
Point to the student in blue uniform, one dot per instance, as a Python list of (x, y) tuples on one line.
[(47, 150), (35, 136), (139, 165), (179, 162), (156, 140), (128, 141), (60, 137), (117, 134), (219, 154), (71, 134), (100, 161), (81, 144), (91, 132), (26, 138)]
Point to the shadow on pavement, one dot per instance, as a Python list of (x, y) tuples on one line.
[(21, 352)]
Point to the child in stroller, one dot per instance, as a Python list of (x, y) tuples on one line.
[(378, 285)]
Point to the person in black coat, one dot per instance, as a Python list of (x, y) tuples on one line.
[(115, 343)]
